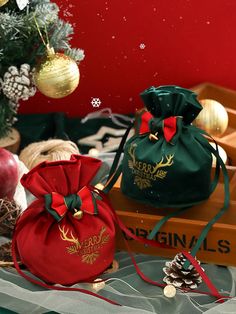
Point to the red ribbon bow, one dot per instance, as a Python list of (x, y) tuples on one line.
[(85, 200), (169, 126)]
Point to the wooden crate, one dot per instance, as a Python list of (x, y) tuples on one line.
[(227, 98), (181, 232)]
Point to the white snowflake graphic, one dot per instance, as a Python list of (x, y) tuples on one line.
[(96, 102), (142, 46)]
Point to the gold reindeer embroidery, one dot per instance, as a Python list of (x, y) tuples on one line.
[(73, 248), (89, 248), (145, 172), (161, 164)]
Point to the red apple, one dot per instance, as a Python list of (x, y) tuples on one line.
[(8, 174)]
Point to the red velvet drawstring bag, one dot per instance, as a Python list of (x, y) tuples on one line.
[(67, 235)]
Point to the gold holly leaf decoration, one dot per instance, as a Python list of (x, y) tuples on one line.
[(90, 258), (142, 183), (131, 164), (72, 249), (105, 239)]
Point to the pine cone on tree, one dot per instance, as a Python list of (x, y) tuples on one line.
[(9, 212), (179, 277), (18, 84)]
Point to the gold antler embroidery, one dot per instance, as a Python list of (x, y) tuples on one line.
[(72, 239), (131, 152), (161, 164)]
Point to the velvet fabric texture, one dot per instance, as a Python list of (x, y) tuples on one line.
[(66, 250), (166, 165)]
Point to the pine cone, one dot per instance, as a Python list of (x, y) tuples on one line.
[(18, 84), (179, 277), (9, 212)]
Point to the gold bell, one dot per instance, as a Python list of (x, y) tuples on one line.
[(153, 137), (78, 214)]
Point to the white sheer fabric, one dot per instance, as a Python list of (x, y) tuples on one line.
[(124, 287)]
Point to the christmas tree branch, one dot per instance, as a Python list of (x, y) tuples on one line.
[(20, 43)]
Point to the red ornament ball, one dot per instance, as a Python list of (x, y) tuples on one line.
[(8, 174)]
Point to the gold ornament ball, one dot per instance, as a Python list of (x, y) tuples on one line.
[(169, 291), (57, 76), (3, 2), (213, 118)]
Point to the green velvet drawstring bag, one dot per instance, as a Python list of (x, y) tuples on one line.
[(165, 165), (168, 162)]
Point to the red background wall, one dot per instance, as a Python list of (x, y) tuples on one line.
[(186, 42)]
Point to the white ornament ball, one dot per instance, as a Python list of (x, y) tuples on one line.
[(96, 286), (169, 291), (222, 154), (93, 152)]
